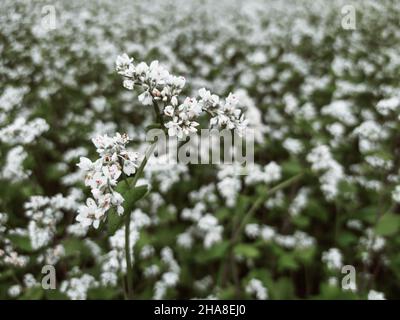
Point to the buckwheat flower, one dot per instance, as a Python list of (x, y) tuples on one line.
[(207, 99), (299, 202), (375, 295), (181, 127), (151, 271), (90, 214), (29, 280), (185, 240), (341, 110), (159, 85), (370, 130), (208, 224), (129, 84), (76, 288), (396, 194), (229, 188), (257, 288), (354, 224), (14, 290), (333, 258), (123, 62), (267, 233), (204, 283), (272, 172), (169, 111), (102, 177), (371, 241), (385, 106), (13, 169), (22, 131), (85, 164), (293, 145), (332, 172), (252, 230), (145, 98)]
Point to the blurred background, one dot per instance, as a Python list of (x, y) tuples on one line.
[(319, 83)]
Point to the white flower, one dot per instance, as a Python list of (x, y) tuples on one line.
[(142, 68), (169, 111), (396, 194), (333, 258), (129, 167), (375, 295), (173, 128), (145, 98), (128, 84), (102, 176), (90, 214), (257, 288), (123, 62)]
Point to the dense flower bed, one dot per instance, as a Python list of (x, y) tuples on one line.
[(324, 103)]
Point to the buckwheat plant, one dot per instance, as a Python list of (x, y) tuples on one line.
[(178, 117)]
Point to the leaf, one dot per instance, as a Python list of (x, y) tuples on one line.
[(73, 246), (217, 251), (247, 251), (388, 225), (291, 168), (34, 293), (114, 222), (21, 242), (287, 262), (131, 196), (226, 294)]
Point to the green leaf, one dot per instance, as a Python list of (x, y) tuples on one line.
[(247, 251), (216, 252), (74, 247), (228, 293), (131, 196), (114, 222), (287, 262), (34, 293), (292, 167), (388, 225), (21, 242)]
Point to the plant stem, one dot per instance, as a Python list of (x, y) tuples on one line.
[(235, 236), (128, 256), (260, 201), (138, 173), (128, 221), (143, 164), (158, 114)]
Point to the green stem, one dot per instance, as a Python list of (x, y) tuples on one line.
[(128, 256), (128, 221), (143, 164), (138, 173), (260, 200), (159, 117)]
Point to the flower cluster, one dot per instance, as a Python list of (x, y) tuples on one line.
[(206, 227), (159, 85), (257, 288), (333, 258), (22, 131), (102, 177)]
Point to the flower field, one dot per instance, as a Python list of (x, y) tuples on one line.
[(88, 210)]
